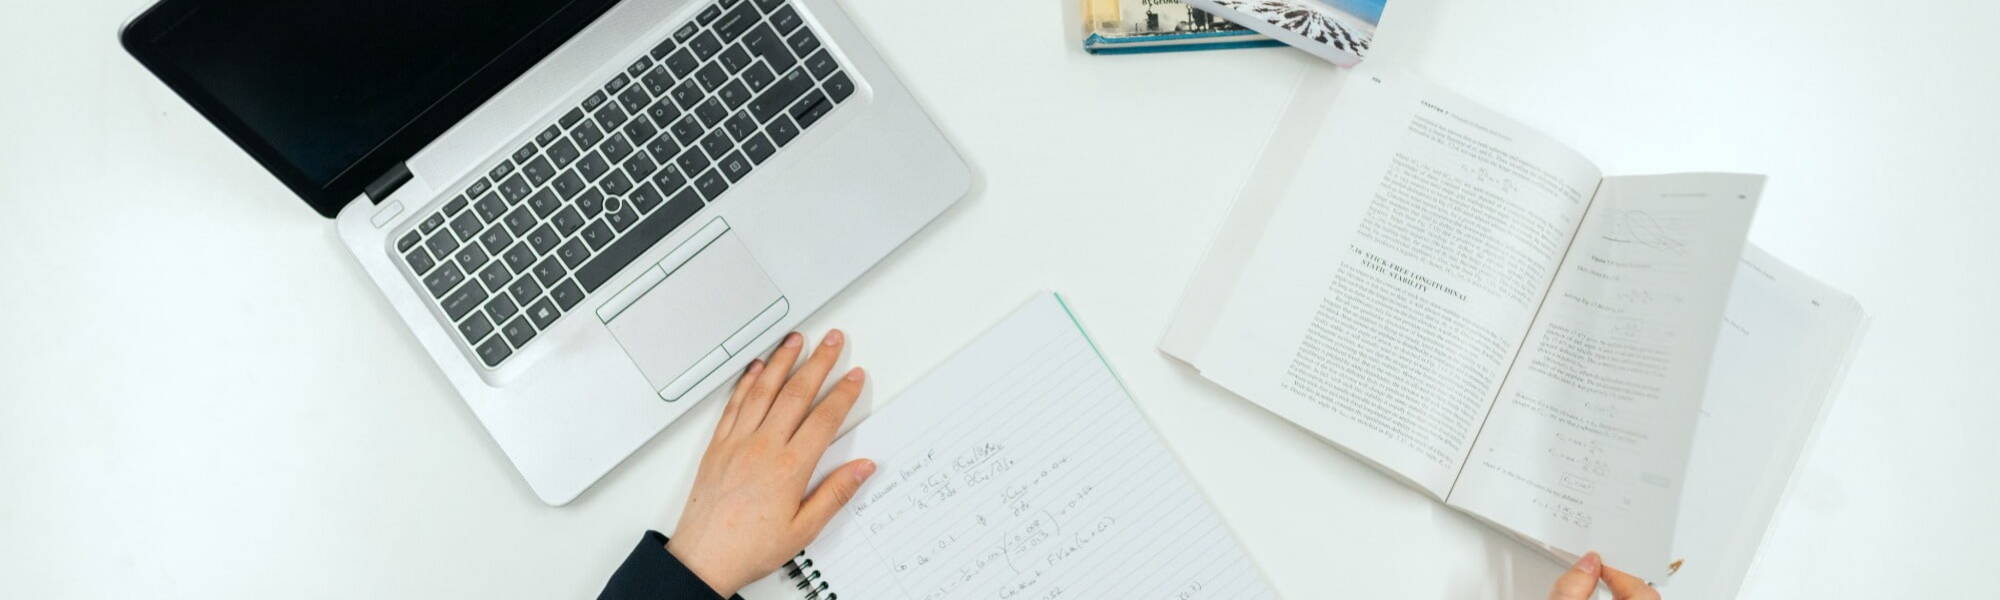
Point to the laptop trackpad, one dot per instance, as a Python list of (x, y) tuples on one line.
[(686, 318)]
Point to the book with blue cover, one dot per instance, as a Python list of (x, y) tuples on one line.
[(1340, 31), (1134, 26)]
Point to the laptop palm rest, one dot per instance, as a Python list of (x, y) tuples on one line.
[(697, 313)]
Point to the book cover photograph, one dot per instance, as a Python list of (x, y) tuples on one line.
[(1134, 26), (1340, 31)]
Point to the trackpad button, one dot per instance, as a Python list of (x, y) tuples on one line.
[(689, 314)]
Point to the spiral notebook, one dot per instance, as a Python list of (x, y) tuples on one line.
[(1021, 469)]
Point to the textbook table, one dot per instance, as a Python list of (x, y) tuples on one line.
[(205, 398)]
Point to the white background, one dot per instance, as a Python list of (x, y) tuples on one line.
[(205, 398)]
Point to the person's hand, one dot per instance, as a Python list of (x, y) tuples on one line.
[(749, 511), (1581, 580)]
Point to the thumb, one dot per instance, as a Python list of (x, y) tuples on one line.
[(1580, 580), (1626, 587), (833, 492)]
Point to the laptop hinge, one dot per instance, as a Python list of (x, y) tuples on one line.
[(388, 183)]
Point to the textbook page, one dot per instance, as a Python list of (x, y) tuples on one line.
[(1021, 469), (1397, 274), (1589, 437), (1785, 343)]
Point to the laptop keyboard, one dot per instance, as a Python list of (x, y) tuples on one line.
[(558, 217)]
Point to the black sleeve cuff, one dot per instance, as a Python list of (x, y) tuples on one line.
[(651, 572)]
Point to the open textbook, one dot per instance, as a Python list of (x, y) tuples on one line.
[(1478, 311)]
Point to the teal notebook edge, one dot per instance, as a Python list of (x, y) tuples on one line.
[(1099, 44)]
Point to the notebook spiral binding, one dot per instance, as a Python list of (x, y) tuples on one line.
[(800, 569)]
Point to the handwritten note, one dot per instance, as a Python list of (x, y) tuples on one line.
[(1021, 469)]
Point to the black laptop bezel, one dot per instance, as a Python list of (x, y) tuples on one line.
[(137, 38)]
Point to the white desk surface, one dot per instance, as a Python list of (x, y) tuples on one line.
[(204, 398)]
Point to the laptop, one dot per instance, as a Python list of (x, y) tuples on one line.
[(591, 213)]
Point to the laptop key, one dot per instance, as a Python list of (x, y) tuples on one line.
[(472, 257), (708, 15), (567, 184), (758, 76), (467, 226), (639, 67), (802, 41), (468, 297), (711, 76), (737, 22), (517, 331), (519, 257), (740, 126), (563, 153), (758, 148), (839, 87), (782, 131), (571, 118), (733, 94), (616, 184), (514, 189), (573, 253), (490, 208), (622, 217), (691, 161), (734, 166), (524, 289), (567, 221), (420, 261), (682, 62), (456, 204), (820, 63), (710, 112), (495, 276), (550, 135), (615, 148), (595, 100), (587, 134), (501, 170), (543, 313), (611, 116), (734, 59), (542, 239), (640, 130), (663, 112), (477, 188), (496, 236), (494, 351), (687, 94), (538, 171), (475, 327), (618, 82), (661, 51), (640, 166), (785, 19), (592, 166), (566, 294), (441, 243), (544, 202), (550, 271), (501, 308), (589, 204), (705, 45), (717, 144), (686, 131), (432, 223), (810, 108), (644, 199), (409, 241), (767, 44), (670, 177), (641, 237), (711, 185), (769, 5), (597, 234), (634, 99), (526, 152), (782, 94), (447, 276), (657, 81)]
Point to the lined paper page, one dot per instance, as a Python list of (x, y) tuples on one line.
[(1021, 469)]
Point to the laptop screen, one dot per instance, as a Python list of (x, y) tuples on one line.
[(330, 94)]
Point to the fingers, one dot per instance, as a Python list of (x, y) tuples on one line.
[(820, 427), (798, 393), (725, 424), (1626, 587), (832, 493), (757, 401), (1580, 580)]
